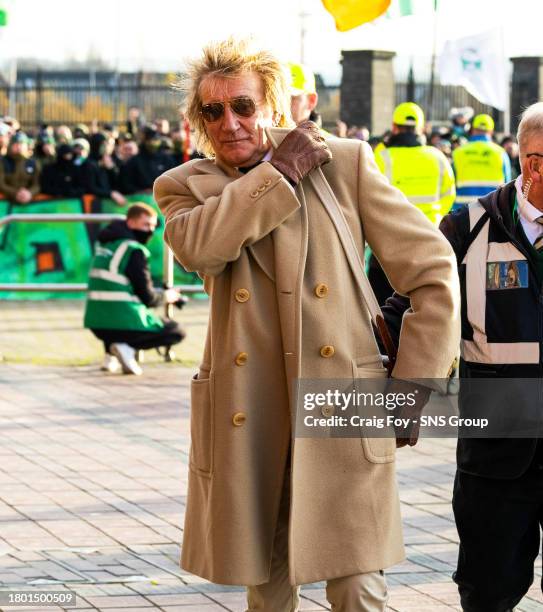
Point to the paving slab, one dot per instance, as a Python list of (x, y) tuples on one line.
[(93, 473)]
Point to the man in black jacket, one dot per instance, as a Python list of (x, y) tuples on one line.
[(61, 178), (100, 173), (498, 489), (139, 172)]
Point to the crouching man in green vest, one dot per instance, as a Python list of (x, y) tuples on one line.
[(120, 293)]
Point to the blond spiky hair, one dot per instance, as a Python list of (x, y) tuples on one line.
[(229, 59)]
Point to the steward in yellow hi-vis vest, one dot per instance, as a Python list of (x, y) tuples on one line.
[(422, 173), (480, 166)]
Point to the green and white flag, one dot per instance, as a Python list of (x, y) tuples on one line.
[(478, 63), (3, 17), (404, 8)]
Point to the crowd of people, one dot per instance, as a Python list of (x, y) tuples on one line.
[(112, 162), (104, 161), (446, 137)]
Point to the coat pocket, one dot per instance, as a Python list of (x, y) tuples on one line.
[(201, 426), (382, 449)]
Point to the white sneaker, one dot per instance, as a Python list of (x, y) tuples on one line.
[(127, 356), (110, 364)]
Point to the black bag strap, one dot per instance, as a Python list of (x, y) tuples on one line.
[(472, 236)]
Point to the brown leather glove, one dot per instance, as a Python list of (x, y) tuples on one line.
[(302, 150), (407, 433)]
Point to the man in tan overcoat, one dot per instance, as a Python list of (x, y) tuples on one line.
[(266, 510)]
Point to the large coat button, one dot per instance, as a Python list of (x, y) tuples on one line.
[(327, 350), (327, 411), (239, 419), (321, 290), (241, 359), (242, 295)]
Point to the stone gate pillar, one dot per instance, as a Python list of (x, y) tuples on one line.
[(367, 89), (527, 86)]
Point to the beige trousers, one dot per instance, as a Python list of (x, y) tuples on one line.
[(358, 593)]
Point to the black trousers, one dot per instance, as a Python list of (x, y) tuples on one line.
[(170, 334), (499, 524)]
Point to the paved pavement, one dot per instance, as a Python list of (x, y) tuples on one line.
[(93, 473)]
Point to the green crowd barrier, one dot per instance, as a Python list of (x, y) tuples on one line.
[(61, 252)]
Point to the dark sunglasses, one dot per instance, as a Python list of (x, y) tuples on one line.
[(242, 106)]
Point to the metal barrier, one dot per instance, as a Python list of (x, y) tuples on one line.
[(61, 217), (167, 266)]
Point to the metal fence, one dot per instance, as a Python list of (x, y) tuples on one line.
[(56, 105), (34, 104), (445, 98)]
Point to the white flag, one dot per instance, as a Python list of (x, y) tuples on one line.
[(478, 63)]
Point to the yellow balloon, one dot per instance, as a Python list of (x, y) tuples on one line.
[(350, 14)]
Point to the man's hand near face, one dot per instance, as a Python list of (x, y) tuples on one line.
[(301, 151)]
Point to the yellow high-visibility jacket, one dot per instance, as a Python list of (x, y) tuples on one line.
[(423, 174), (480, 167)]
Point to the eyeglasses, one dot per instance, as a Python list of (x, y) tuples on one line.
[(534, 154), (242, 106)]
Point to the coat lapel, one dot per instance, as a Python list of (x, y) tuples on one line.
[(290, 248)]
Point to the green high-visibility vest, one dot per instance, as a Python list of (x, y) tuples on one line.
[(111, 301), (423, 174)]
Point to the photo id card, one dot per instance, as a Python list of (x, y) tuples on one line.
[(507, 275)]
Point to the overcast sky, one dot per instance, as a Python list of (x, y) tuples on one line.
[(159, 34)]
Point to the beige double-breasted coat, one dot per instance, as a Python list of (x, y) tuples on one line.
[(284, 305)]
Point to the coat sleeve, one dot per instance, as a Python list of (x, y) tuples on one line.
[(420, 264), (205, 236), (139, 275), (455, 227)]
